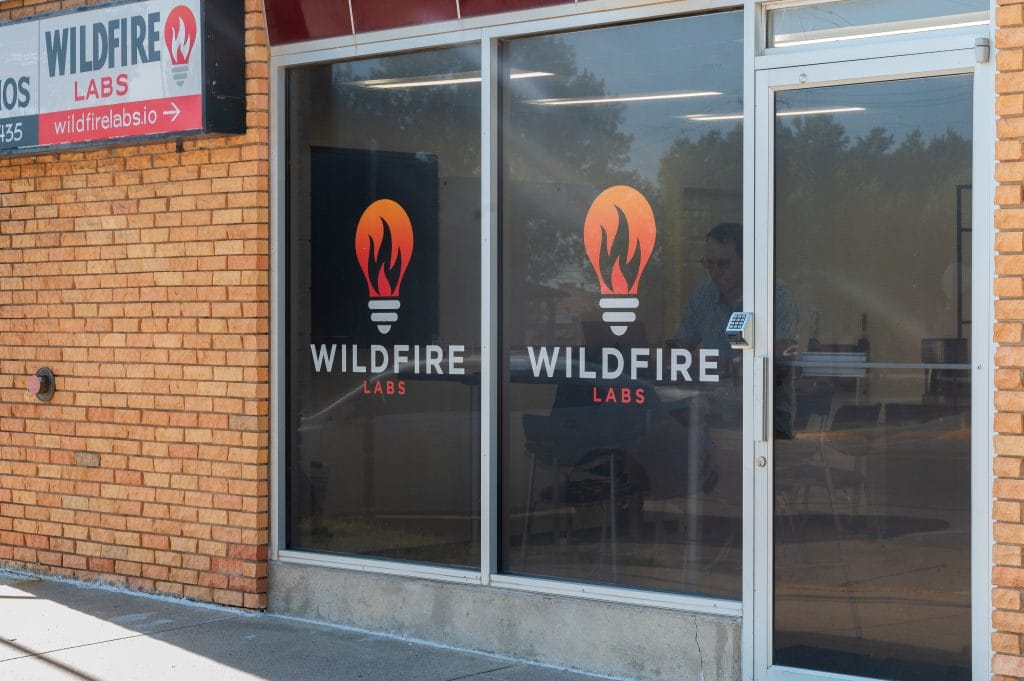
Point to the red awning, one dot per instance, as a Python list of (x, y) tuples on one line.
[(291, 21)]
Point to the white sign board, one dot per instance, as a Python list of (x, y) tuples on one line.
[(127, 70)]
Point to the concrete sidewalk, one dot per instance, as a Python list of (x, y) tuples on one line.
[(53, 630)]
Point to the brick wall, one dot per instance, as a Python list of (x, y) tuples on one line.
[(140, 276), (1008, 573)]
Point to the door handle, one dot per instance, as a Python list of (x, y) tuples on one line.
[(765, 395)]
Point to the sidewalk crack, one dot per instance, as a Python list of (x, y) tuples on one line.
[(700, 652), (486, 671)]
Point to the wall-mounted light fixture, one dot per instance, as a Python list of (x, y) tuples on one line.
[(982, 50)]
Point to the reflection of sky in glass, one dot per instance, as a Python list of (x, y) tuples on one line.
[(702, 53), (689, 54), (867, 12), (442, 64), (899, 106)]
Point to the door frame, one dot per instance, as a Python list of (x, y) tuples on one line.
[(758, 576)]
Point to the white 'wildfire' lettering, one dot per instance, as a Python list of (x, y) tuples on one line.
[(415, 359), (549, 361)]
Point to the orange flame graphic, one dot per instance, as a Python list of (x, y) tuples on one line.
[(383, 247), (619, 235)]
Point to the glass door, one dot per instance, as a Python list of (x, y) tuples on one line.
[(864, 543)]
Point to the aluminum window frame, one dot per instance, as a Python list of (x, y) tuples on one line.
[(489, 33)]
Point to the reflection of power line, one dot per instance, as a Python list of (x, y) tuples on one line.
[(899, 132), (887, 95), (860, 19), (875, 104)]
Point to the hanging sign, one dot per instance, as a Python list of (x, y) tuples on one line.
[(122, 72)]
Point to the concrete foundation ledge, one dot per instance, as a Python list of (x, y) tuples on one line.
[(611, 639)]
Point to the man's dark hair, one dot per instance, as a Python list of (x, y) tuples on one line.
[(729, 233)]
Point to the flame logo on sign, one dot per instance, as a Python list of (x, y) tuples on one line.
[(180, 34), (618, 235), (384, 244)]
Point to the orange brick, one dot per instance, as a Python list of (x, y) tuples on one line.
[(1008, 423), (1006, 599), (1008, 445), (1009, 105), (1008, 533), (1006, 643), (1008, 379), (1006, 511), (1009, 15), (1010, 665)]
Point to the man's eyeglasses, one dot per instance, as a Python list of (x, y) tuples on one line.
[(710, 264)]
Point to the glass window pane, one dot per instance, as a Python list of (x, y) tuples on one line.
[(622, 148), (832, 21), (384, 307), (872, 490)]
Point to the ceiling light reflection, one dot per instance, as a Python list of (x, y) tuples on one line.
[(618, 99), (713, 117), (516, 75), (451, 79), (815, 112), (420, 83), (781, 114)]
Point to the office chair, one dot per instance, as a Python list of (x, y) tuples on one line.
[(586, 446)]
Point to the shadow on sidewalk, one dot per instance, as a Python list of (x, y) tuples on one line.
[(63, 630)]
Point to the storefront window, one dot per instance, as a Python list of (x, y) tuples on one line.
[(622, 164), (384, 307)]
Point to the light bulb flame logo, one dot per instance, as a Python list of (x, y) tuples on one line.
[(180, 34), (619, 234), (384, 246), (180, 38)]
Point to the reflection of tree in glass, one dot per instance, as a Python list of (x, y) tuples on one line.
[(869, 227), (705, 169), (701, 184), (826, 176), (557, 159), (386, 119), (563, 142)]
